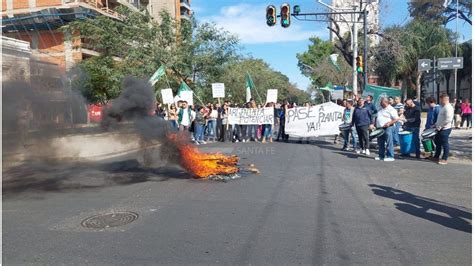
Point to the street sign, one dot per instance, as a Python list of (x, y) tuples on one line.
[(450, 63), (424, 64)]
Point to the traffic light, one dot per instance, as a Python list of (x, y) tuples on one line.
[(271, 15), (296, 9), (360, 64), (285, 15)]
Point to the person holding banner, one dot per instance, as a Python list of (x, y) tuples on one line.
[(267, 133), (282, 116), (387, 116), (251, 129)]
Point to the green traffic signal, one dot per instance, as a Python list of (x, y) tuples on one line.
[(271, 15), (285, 15), (296, 9), (359, 64)]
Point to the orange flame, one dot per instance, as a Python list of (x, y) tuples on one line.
[(206, 164), (202, 164)]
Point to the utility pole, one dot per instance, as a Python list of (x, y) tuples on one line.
[(456, 51), (354, 58), (434, 77), (366, 72)]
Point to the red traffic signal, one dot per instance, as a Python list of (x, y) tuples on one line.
[(271, 15), (285, 15)]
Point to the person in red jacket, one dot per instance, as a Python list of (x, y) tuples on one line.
[(466, 113)]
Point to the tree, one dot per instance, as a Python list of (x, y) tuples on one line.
[(403, 46), (434, 10), (466, 71), (264, 78), (138, 46), (314, 63), (388, 56)]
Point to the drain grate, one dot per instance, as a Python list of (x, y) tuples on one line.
[(102, 221)]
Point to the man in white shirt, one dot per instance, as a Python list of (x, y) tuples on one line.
[(443, 125), (185, 116), (387, 116)]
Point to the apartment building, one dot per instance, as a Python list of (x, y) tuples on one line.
[(354, 5), (178, 9)]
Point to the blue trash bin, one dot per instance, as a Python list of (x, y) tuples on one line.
[(405, 142)]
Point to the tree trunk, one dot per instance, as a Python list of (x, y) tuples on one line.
[(418, 86), (447, 78), (404, 86)]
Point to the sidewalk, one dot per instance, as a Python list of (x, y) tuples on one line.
[(461, 144)]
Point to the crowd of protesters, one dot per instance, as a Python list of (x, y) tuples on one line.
[(394, 118), (209, 123)]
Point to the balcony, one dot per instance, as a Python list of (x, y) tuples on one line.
[(185, 15), (185, 4)]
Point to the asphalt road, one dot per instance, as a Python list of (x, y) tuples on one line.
[(311, 204)]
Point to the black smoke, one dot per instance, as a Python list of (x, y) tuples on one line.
[(136, 104)]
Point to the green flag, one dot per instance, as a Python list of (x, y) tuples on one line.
[(183, 87), (250, 86), (333, 61), (157, 75)]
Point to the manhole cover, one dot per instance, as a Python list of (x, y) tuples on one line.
[(102, 221)]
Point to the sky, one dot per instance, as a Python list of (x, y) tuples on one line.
[(278, 46)]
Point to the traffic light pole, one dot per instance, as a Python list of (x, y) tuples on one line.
[(355, 46), (365, 51)]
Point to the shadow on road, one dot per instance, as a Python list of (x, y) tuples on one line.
[(452, 217), (34, 178)]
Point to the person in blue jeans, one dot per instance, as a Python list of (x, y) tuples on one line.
[(347, 118), (400, 109), (443, 125), (387, 116), (412, 123), (267, 131), (433, 112), (199, 123)]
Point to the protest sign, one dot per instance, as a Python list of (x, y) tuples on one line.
[(167, 96), (185, 96), (218, 90), (315, 121), (250, 116), (272, 96)]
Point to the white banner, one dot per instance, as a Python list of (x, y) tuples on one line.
[(272, 96), (315, 121), (251, 116), (218, 90), (167, 96)]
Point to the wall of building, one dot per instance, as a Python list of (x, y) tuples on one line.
[(464, 90), (9, 5), (52, 47), (16, 56)]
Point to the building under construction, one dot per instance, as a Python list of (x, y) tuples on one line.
[(37, 52)]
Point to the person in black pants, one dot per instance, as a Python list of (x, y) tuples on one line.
[(281, 132), (225, 129), (412, 116), (218, 133), (361, 119)]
